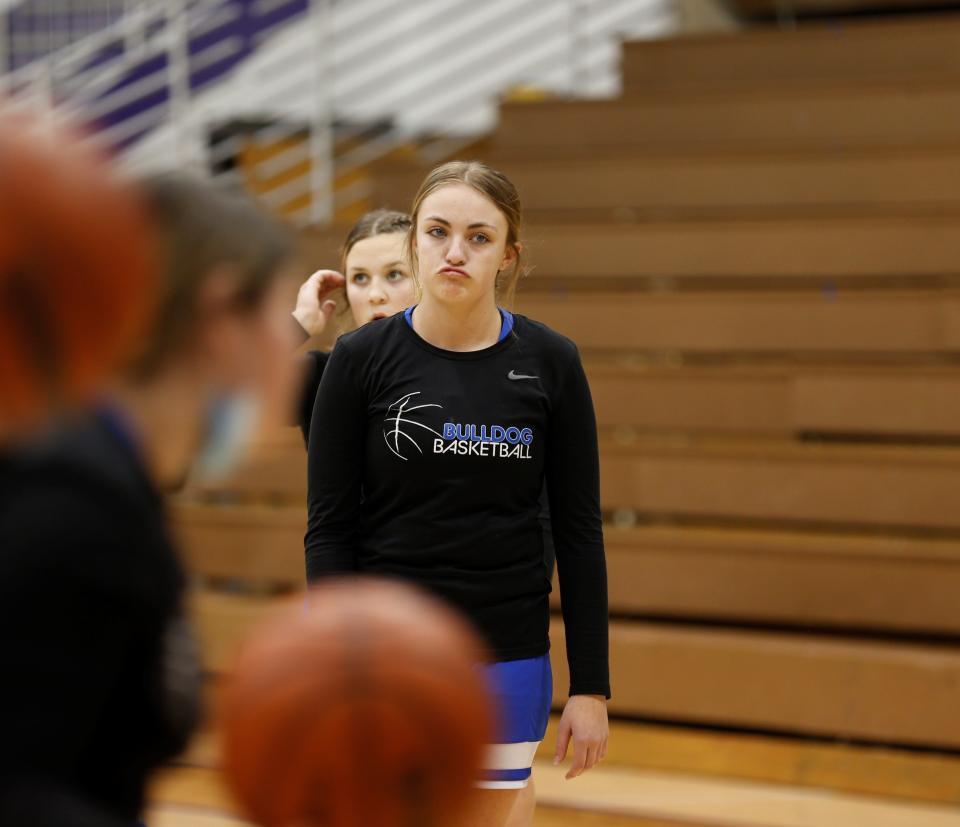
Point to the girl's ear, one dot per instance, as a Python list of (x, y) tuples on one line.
[(510, 255)]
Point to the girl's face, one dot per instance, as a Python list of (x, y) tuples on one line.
[(378, 279), (461, 245), (251, 350)]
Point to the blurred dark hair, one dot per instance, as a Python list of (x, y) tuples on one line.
[(203, 229)]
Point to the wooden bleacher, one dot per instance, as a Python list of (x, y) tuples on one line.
[(839, 116), (757, 249), (808, 484), (735, 575), (602, 251), (723, 183), (919, 50)]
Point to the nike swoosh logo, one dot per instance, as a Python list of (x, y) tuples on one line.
[(514, 375)]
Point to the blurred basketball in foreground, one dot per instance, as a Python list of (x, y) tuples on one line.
[(365, 709), (76, 268)]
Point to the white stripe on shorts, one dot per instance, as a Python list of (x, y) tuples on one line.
[(510, 756), (501, 785)]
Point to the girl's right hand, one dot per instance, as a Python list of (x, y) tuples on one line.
[(314, 305)]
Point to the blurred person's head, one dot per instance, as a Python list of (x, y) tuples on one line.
[(378, 278), (77, 277), (464, 242), (216, 364)]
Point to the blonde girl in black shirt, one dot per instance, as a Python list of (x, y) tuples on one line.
[(432, 435)]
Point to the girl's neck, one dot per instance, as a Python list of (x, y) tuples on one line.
[(457, 329)]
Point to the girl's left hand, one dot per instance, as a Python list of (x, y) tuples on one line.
[(314, 305), (584, 720)]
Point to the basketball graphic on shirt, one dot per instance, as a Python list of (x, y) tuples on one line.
[(399, 425), (401, 431)]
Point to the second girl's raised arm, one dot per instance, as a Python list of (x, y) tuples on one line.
[(335, 461)]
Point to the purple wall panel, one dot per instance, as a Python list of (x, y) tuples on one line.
[(244, 31)]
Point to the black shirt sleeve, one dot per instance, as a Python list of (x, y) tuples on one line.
[(335, 461), (313, 365), (573, 486)]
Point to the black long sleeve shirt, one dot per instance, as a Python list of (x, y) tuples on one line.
[(100, 673), (314, 363), (428, 465)]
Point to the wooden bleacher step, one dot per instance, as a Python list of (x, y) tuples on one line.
[(746, 324), (733, 576), (875, 583), (848, 687), (911, 402), (587, 254), (873, 691), (802, 484), (841, 117), (921, 49), (806, 484), (639, 327), (812, 249), (720, 184)]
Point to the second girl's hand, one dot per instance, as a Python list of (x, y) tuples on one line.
[(314, 305)]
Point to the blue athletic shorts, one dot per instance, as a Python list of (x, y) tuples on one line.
[(522, 692)]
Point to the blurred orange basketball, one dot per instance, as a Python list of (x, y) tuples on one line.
[(76, 267), (364, 709)]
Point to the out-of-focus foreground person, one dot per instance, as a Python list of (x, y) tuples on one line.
[(101, 677), (77, 274)]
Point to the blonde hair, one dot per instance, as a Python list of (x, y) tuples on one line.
[(374, 223), (495, 186)]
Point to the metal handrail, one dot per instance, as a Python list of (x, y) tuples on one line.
[(325, 119)]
